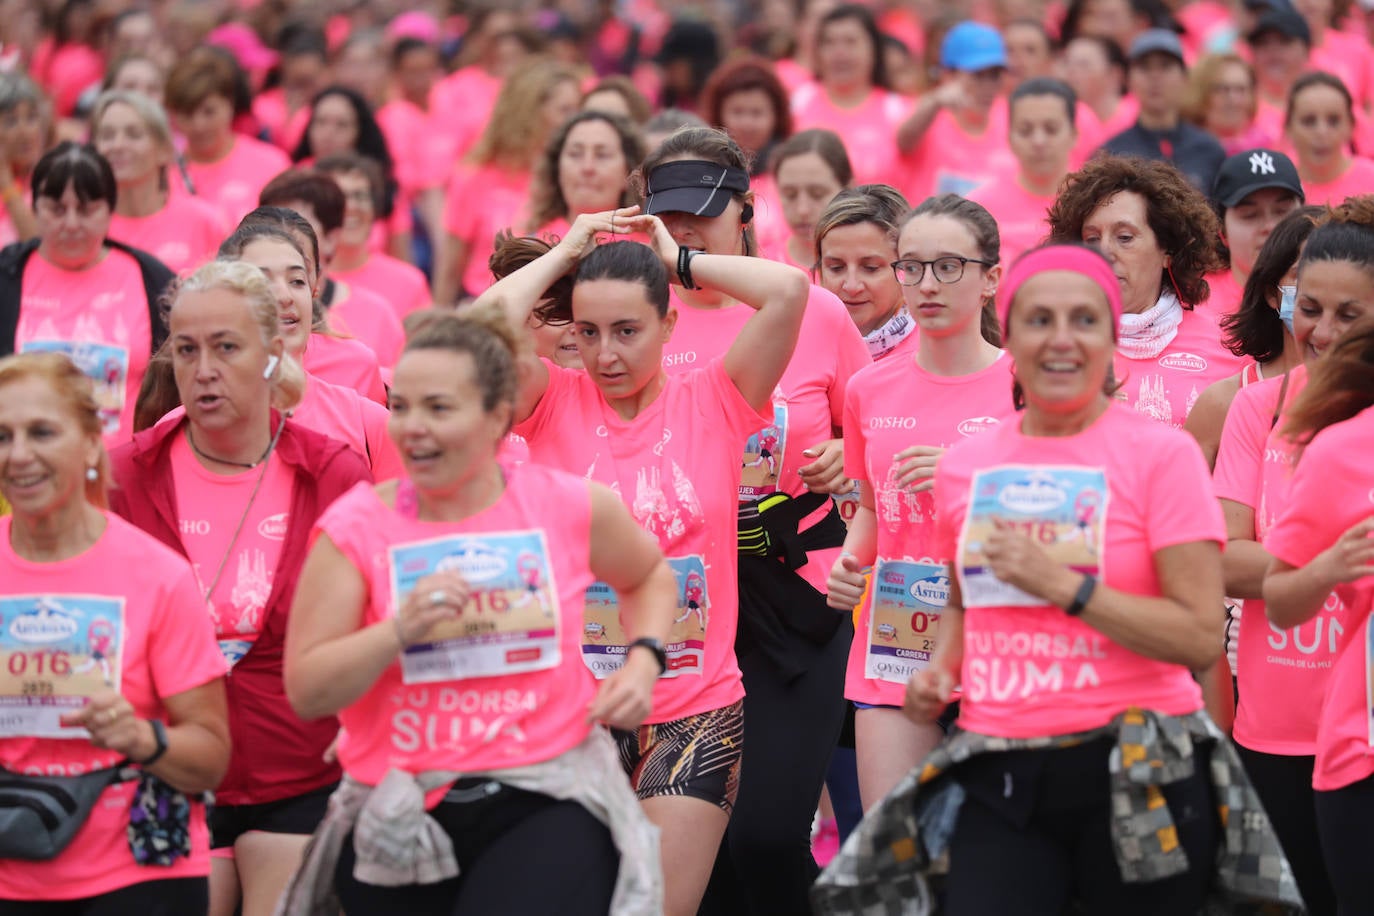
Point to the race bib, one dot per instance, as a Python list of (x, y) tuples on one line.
[(848, 504), (234, 650), (511, 623), (604, 641), (907, 601), (56, 651), (763, 456), (1063, 509), (106, 366)]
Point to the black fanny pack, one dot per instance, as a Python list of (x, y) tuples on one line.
[(39, 815)]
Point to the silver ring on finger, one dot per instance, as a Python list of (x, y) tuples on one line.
[(437, 597)]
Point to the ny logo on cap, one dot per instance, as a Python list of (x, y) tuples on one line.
[(1261, 164)]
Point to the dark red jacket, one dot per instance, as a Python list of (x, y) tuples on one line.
[(276, 755)]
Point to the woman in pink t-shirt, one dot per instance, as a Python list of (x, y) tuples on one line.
[(1283, 677), (671, 445), (25, 126), (585, 169), (791, 646), (227, 481), (1320, 543), (112, 635), (900, 416), (74, 291), (1319, 123), (809, 169), (1158, 232), (851, 95), (440, 616), (1041, 134), (131, 132), (1085, 587), (489, 190)]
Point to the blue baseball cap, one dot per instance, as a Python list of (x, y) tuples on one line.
[(972, 46)]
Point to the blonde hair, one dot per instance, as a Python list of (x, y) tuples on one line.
[(72, 386), (246, 280), (1197, 97), (153, 116), (514, 135)]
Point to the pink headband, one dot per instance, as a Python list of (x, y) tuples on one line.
[(1073, 258)]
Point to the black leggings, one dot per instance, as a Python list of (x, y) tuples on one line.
[(765, 863), (519, 853), (1284, 785), (1034, 837), (1343, 819), (166, 897)]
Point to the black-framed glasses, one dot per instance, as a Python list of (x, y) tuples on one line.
[(949, 269)]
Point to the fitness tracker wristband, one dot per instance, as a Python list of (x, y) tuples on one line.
[(1082, 596), (684, 266), (160, 736), (654, 646)]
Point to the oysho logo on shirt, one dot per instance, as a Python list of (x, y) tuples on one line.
[(194, 526), (1187, 362), (273, 528), (680, 359), (891, 422), (974, 425)]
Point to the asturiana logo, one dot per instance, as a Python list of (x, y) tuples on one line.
[(273, 528), (476, 562), (1185, 362), (974, 425), (48, 622), (932, 590), (1032, 497)]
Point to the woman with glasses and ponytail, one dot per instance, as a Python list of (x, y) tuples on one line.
[(900, 416)]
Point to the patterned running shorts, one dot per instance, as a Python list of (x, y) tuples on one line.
[(696, 756)]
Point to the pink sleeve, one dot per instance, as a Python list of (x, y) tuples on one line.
[(562, 384), (344, 526), (851, 355), (1241, 454), (855, 466), (386, 459), (461, 214), (1181, 507), (950, 495), (1325, 497), (182, 651)]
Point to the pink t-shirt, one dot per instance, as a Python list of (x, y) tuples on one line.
[(466, 99), (211, 508), (404, 126), (950, 160), (359, 422), (891, 406), (1329, 493), (808, 405), (1224, 298), (346, 362), (676, 465), (1167, 386), (369, 318), (1103, 501), (402, 285), (770, 226), (482, 201), (1282, 673), (869, 130), (233, 183), (1020, 215), (505, 687), (183, 235), (164, 647), (98, 317), (1358, 179), (1346, 56)]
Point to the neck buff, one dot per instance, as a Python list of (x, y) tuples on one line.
[(883, 340), (1145, 336)]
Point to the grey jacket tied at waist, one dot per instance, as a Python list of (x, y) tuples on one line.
[(397, 843), (883, 866)]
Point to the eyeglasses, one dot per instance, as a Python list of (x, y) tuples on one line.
[(949, 269)]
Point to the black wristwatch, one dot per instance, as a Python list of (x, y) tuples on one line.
[(654, 646), (1083, 596), (160, 736)]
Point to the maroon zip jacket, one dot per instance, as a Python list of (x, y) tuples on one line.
[(276, 754)]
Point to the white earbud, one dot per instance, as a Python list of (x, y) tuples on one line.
[(272, 362)]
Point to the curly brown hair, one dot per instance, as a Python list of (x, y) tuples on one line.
[(1182, 220)]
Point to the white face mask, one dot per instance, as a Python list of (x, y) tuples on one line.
[(1288, 299)]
